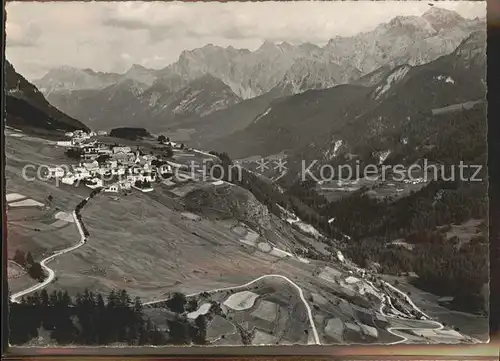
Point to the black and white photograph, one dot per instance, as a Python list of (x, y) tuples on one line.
[(246, 173)]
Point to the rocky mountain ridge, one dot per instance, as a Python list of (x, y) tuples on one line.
[(326, 124), (272, 71), (27, 107), (405, 39)]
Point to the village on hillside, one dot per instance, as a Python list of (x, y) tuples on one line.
[(117, 167)]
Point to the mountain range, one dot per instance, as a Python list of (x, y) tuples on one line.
[(171, 97), (418, 104)]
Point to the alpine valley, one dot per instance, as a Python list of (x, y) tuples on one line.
[(271, 239)]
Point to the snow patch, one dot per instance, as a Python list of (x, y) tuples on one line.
[(154, 99), (262, 115), (332, 153), (446, 79), (185, 103), (291, 217), (382, 156), (340, 256), (337, 146), (396, 76)]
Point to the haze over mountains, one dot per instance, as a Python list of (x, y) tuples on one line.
[(356, 119), (26, 105), (172, 97)]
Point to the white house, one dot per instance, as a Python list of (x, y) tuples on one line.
[(165, 169), (90, 156), (125, 185), (69, 179), (69, 134), (112, 163), (56, 172), (103, 171), (135, 170), (113, 188), (77, 141), (124, 157), (102, 132), (149, 177), (90, 148), (94, 183), (102, 146), (64, 143), (80, 172), (118, 170), (81, 136), (104, 151), (134, 178), (121, 150), (91, 165)]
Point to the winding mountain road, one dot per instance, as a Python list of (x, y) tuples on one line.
[(50, 272), (299, 290), (394, 330), (385, 300)]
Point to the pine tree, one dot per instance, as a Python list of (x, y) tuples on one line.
[(29, 259), (177, 302), (101, 320), (64, 331), (201, 330), (19, 257), (113, 316), (179, 331), (136, 326)]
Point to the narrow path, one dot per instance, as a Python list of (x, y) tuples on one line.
[(428, 319), (50, 272), (393, 330), (301, 294)]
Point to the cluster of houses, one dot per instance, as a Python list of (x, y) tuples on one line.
[(80, 137), (119, 166)]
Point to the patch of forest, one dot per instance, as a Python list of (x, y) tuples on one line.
[(97, 319)]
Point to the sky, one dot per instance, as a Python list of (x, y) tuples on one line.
[(111, 36)]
